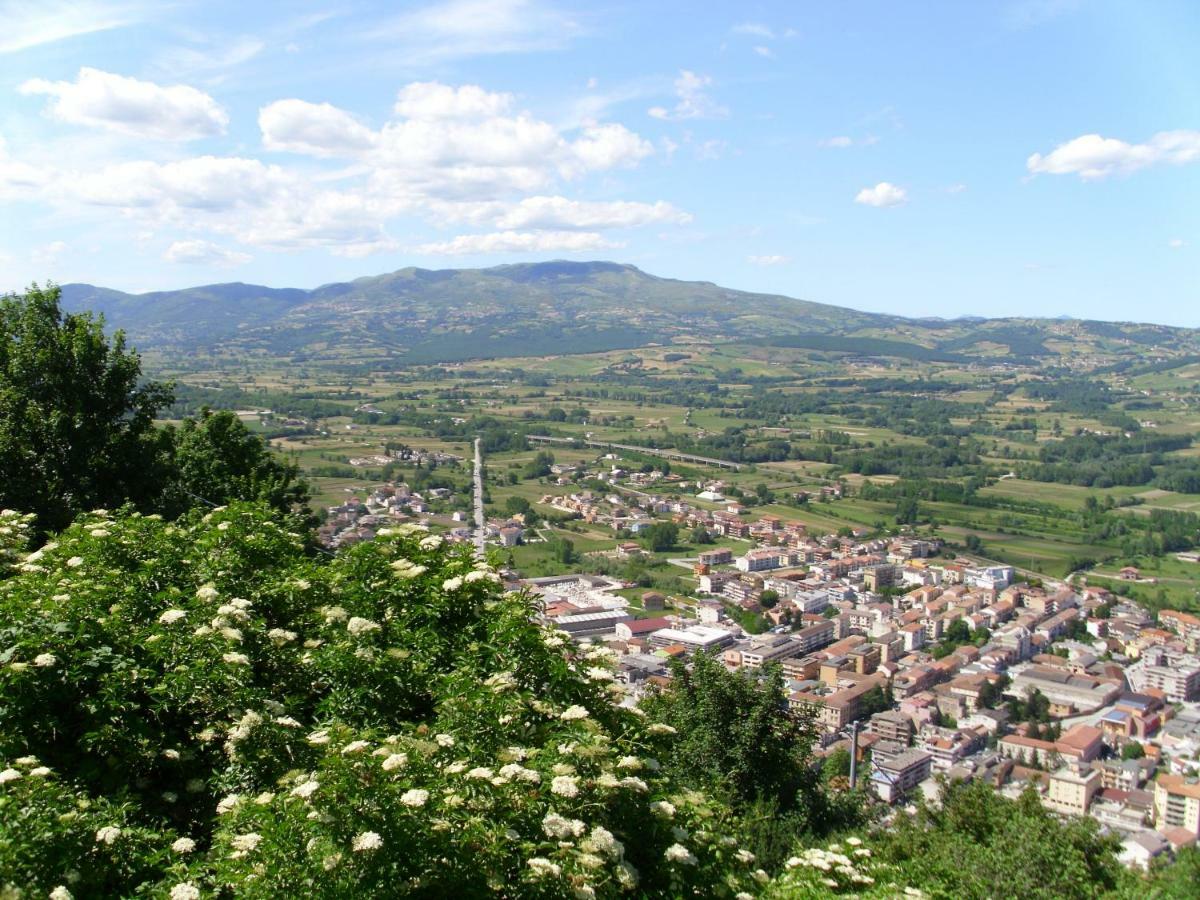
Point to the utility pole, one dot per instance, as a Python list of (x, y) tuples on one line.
[(854, 754)]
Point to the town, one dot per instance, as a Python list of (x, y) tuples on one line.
[(918, 664)]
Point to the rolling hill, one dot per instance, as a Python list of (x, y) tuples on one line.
[(421, 315)]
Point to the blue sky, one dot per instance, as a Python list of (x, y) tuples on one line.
[(1018, 157)]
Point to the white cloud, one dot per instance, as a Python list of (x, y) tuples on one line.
[(693, 100), (768, 260), (431, 100), (31, 23), (316, 129), (602, 147), (129, 106), (519, 242), (460, 28), (197, 252), (1091, 156), (841, 141), (210, 56), (19, 179), (453, 155), (955, 188), (559, 212), (754, 29), (48, 254), (765, 52), (452, 143), (882, 195), (1176, 243)]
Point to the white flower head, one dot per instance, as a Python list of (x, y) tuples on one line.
[(61, 893), (358, 626), (543, 868), (45, 660), (185, 891), (108, 834), (677, 853), (565, 786), (246, 843), (572, 713), (306, 789), (394, 761), (414, 797), (184, 845), (367, 842), (561, 828)]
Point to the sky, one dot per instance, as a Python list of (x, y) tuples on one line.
[(1006, 158)]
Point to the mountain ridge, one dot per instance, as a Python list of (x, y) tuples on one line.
[(439, 315)]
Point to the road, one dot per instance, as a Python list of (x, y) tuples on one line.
[(480, 551), (649, 451)]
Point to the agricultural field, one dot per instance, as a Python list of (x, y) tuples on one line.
[(1043, 468)]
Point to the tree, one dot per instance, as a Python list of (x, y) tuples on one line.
[(312, 733), (1133, 750), (908, 511), (660, 537), (736, 738), (215, 459), (977, 844), (768, 599), (76, 421), (516, 505)]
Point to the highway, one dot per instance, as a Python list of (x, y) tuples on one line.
[(480, 531)]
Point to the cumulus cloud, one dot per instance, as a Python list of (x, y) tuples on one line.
[(1092, 156), (452, 142), (1176, 243), (452, 155), (693, 100), (432, 100), (768, 260), (129, 106), (883, 194), (518, 241), (199, 252), (317, 129)]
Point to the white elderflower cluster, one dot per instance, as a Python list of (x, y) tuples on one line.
[(415, 797), (406, 569), (358, 626), (367, 842)]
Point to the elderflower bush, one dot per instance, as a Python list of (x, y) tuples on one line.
[(219, 711), (847, 868)]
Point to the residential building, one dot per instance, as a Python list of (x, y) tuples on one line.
[(1070, 792), (894, 778), (1177, 803)]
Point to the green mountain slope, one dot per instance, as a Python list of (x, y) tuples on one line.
[(422, 315)]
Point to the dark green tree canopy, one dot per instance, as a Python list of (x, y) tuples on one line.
[(77, 428), (76, 420), (216, 459)]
